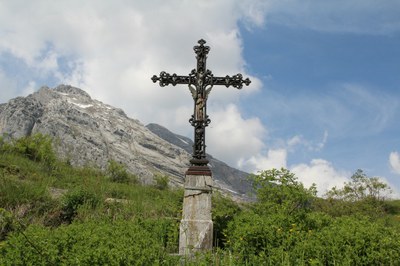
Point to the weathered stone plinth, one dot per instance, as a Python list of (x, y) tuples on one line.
[(196, 228)]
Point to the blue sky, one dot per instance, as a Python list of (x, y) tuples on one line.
[(346, 84), (324, 99)]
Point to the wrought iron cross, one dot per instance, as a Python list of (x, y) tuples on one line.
[(200, 81)]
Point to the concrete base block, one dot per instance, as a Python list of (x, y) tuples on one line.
[(196, 228), (194, 236)]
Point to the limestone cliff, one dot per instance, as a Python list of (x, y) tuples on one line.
[(89, 132)]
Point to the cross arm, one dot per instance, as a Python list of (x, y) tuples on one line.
[(166, 79), (236, 81)]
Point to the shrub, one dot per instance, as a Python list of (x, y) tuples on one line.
[(117, 172), (352, 241), (282, 228), (7, 223), (257, 239), (223, 211), (361, 187), (91, 243), (36, 147), (32, 196), (4, 145), (161, 182), (363, 194), (280, 191), (74, 199)]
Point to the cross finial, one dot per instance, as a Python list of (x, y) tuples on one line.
[(201, 52), (201, 42)]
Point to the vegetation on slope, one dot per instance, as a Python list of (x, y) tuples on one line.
[(54, 214)]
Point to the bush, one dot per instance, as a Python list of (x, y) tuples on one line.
[(161, 182), (74, 199), (36, 147), (279, 191), (91, 243), (360, 188), (117, 172), (352, 241), (364, 195), (7, 223), (24, 197), (223, 211), (282, 228), (257, 239), (4, 145)]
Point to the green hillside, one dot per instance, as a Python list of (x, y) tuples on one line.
[(54, 214)]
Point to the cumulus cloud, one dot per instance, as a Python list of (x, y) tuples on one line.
[(322, 173), (299, 140), (275, 158), (111, 50), (230, 136), (319, 172), (116, 47), (394, 160)]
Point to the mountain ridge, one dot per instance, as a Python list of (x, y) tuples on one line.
[(91, 132), (229, 175)]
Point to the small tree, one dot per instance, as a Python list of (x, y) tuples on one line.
[(280, 190), (363, 195), (361, 187)]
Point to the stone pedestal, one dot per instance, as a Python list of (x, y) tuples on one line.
[(196, 228)]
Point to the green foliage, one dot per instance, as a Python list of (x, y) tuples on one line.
[(91, 243), (161, 182), (353, 241), (360, 187), (117, 172), (279, 191), (343, 241), (24, 198), (75, 199), (363, 195), (223, 211), (36, 147), (282, 228), (7, 223), (4, 146)]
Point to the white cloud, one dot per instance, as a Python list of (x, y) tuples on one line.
[(299, 140), (112, 49), (230, 136), (321, 173), (30, 88), (394, 160), (275, 158), (296, 140)]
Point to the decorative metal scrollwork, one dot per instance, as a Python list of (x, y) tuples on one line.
[(200, 82)]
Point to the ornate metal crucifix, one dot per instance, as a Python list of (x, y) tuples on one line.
[(200, 81)]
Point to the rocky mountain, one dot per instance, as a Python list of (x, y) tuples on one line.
[(89, 132), (222, 172)]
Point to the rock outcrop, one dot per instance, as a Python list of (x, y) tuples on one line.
[(89, 132)]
